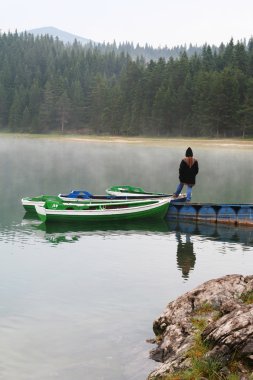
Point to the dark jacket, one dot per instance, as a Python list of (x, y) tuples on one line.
[(188, 170)]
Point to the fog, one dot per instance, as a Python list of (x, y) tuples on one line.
[(33, 166)]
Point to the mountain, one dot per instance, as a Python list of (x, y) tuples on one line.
[(61, 34), (147, 52)]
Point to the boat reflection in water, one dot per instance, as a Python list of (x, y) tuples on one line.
[(71, 232), (212, 231), (184, 233)]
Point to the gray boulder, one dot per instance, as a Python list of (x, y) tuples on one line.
[(228, 322)]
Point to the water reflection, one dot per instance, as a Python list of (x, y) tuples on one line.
[(185, 254), (184, 233), (212, 231), (71, 232)]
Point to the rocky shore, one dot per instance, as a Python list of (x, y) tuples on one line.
[(207, 330)]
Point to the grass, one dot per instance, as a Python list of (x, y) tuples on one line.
[(201, 368), (147, 140), (204, 308), (247, 298)]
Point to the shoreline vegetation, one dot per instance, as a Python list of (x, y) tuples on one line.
[(159, 141)]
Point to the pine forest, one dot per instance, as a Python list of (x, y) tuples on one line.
[(47, 86)]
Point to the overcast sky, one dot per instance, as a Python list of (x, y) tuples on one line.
[(156, 22)]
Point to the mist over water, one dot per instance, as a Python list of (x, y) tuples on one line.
[(78, 302), (31, 166)]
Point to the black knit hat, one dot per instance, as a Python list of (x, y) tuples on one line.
[(189, 152)]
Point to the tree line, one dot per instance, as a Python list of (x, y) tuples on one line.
[(148, 52), (46, 86)]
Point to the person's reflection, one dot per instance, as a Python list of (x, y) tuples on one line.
[(185, 254)]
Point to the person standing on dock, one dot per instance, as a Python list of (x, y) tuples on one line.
[(188, 170)]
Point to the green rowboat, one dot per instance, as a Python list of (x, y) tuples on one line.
[(130, 191), (29, 203), (60, 212)]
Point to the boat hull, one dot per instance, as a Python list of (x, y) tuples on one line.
[(101, 213)]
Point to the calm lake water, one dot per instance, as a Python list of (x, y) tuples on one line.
[(78, 302)]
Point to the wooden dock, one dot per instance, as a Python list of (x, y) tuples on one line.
[(229, 213)]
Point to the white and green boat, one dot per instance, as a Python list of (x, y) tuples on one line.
[(74, 196), (132, 191), (29, 203), (60, 212)]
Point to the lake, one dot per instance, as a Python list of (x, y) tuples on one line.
[(78, 302)]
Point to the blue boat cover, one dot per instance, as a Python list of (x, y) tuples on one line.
[(79, 194)]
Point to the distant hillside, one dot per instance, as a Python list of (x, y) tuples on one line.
[(135, 52), (61, 34)]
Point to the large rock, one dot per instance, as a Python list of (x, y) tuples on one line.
[(229, 324)]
